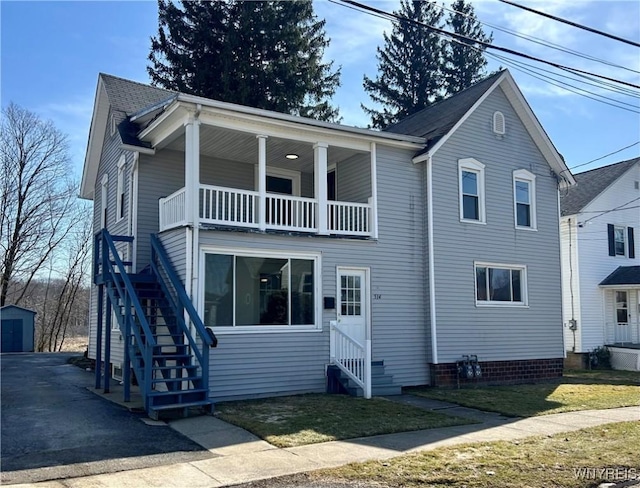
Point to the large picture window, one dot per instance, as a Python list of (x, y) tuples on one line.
[(259, 290), (500, 284)]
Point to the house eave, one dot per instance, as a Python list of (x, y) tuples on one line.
[(97, 133)]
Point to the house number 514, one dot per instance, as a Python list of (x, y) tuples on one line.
[(377, 296)]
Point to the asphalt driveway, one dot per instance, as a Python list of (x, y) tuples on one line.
[(53, 427)]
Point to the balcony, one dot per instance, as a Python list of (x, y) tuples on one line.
[(232, 207)]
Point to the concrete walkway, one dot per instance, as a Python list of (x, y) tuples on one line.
[(242, 457)]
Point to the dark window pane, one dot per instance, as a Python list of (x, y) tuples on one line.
[(522, 192), (262, 291), (516, 285), (218, 290), (524, 215), (331, 185), (279, 185), (469, 183), (481, 284), (302, 292), (619, 241), (622, 316), (470, 207), (500, 285)]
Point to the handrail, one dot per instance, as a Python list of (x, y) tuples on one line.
[(351, 357)]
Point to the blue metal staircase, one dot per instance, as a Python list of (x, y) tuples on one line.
[(166, 343)]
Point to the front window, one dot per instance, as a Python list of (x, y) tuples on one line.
[(524, 199), (471, 173), (253, 290), (120, 198), (500, 285), (618, 234)]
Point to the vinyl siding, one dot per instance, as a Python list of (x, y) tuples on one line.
[(595, 264), (353, 178), (570, 282), (255, 364), (174, 242), (494, 333)]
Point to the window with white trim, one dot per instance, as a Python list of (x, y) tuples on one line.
[(471, 176), (499, 284), (260, 290), (619, 240), (524, 199), (104, 199), (120, 200)]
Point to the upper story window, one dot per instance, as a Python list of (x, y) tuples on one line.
[(621, 241), (498, 284), (120, 200), (104, 199), (524, 199), (471, 175)]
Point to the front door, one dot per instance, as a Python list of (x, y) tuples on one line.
[(623, 333), (352, 302)]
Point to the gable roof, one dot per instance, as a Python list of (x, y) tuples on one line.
[(624, 275), (592, 183), (130, 97), (6, 307), (438, 122)]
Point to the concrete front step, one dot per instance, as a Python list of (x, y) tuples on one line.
[(381, 383)]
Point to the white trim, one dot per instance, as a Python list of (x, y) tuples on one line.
[(525, 176), (120, 190), (471, 165), (367, 298), (265, 253), (320, 150), (432, 272), (374, 191), (112, 125), (499, 123), (524, 288), (139, 149), (104, 200), (625, 241), (133, 209), (290, 174), (113, 371)]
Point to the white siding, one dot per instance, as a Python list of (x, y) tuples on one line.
[(570, 281)]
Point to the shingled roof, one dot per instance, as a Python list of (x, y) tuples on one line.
[(437, 120), (590, 184), (624, 275), (131, 97)]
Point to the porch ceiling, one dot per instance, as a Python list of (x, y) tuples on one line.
[(243, 147)]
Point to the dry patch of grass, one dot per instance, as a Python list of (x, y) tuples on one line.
[(577, 390), (557, 461), (309, 419)]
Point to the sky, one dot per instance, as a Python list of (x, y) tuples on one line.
[(52, 52)]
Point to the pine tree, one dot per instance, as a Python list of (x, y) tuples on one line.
[(409, 66), (463, 64), (264, 54)]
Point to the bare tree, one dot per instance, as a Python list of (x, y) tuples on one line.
[(37, 196)]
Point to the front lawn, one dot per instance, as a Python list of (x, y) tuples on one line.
[(577, 390), (577, 459), (308, 419)]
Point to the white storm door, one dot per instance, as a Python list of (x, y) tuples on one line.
[(352, 303)]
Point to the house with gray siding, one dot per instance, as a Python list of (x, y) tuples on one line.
[(242, 253)]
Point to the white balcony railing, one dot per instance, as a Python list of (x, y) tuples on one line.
[(349, 218), (291, 213), (172, 210), (240, 208), (228, 206)]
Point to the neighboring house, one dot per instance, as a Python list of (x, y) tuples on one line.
[(601, 263), (306, 249)]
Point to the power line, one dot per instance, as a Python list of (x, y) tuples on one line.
[(574, 24), (619, 207), (541, 42), (606, 155), (390, 16)]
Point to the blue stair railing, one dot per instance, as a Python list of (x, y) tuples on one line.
[(180, 303)]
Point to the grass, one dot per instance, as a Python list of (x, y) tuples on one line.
[(309, 419), (577, 390), (552, 461)]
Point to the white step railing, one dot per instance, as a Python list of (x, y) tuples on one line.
[(219, 205), (172, 210), (291, 213), (349, 218), (353, 358)]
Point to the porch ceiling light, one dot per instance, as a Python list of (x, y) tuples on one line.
[(292, 156)]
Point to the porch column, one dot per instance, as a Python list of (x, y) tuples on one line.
[(320, 181), (192, 170), (374, 192), (262, 182)]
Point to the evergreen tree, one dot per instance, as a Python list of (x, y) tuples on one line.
[(463, 64), (264, 54), (409, 66)]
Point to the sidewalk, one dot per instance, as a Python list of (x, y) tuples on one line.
[(242, 457)]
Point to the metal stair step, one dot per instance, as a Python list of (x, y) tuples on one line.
[(176, 380)]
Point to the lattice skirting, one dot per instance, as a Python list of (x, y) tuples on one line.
[(625, 359)]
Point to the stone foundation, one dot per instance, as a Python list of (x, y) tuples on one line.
[(576, 360), (499, 372)]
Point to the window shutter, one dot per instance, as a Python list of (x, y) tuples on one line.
[(612, 241), (632, 245)]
